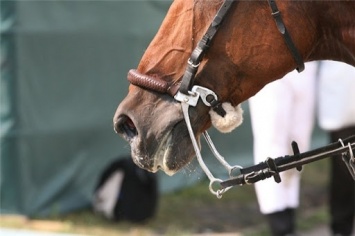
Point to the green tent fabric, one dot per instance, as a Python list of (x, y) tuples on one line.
[(63, 73)]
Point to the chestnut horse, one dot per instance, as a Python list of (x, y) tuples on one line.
[(246, 53)]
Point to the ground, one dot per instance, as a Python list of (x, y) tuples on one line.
[(194, 211)]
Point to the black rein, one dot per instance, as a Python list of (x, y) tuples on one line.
[(272, 167)]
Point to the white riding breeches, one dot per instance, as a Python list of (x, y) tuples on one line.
[(282, 112)]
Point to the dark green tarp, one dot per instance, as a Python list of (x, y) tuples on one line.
[(63, 70)]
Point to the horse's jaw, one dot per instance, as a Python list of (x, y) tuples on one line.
[(156, 132)]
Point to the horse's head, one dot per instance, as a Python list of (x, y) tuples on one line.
[(247, 53)]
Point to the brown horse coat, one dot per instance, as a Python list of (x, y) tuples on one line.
[(247, 53)]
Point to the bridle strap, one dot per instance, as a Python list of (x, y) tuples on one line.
[(202, 46), (288, 40), (187, 81)]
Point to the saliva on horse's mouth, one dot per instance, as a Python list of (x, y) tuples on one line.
[(125, 127)]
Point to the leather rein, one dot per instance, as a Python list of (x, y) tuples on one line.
[(188, 94)]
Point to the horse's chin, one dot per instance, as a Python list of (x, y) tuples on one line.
[(163, 155), (174, 151)]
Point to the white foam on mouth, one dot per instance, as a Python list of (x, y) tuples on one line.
[(163, 151), (160, 157)]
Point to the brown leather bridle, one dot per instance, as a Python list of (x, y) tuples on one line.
[(184, 86)]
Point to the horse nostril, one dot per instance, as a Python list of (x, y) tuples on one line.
[(125, 126)]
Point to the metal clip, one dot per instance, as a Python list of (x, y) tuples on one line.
[(203, 93), (189, 61), (193, 96), (349, 159), (191, 99), (249, 178)]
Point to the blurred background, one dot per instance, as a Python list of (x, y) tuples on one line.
[(63, 73)]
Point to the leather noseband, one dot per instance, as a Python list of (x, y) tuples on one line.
[(152, 83)]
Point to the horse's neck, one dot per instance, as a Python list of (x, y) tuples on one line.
[(336, 32)]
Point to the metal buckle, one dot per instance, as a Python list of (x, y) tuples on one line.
[(203, 93), (191, 99), (349, 159), (189, 61), (193, 96)]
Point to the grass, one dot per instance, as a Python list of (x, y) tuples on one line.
[(194, 210)]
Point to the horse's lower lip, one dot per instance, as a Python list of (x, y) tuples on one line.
[(157, 161), (166, 154), (163, 150)]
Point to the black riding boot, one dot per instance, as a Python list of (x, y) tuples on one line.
[(282, 223)]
